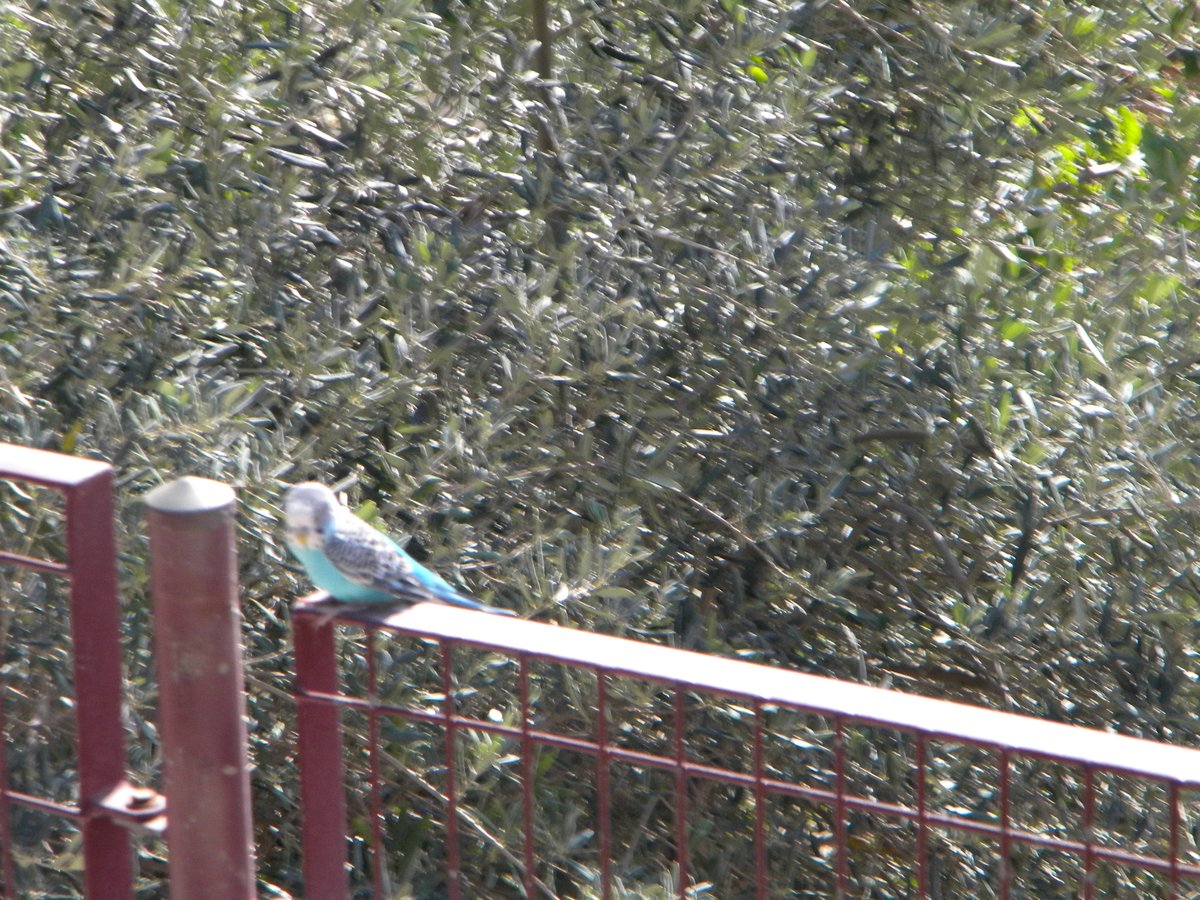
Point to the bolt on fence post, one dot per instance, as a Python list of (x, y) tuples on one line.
[(197, 639)]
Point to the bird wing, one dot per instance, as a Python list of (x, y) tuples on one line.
[(370, 558), (361, 553)]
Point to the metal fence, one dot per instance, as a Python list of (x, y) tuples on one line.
[(106, 805), (444, 752), (202, 734), (840, 789)]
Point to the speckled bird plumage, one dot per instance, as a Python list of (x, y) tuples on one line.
[(354, 562)]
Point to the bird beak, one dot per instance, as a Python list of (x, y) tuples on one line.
[(300, 540)]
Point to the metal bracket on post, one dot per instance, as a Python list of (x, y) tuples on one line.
[(197, 640), (140, 809)]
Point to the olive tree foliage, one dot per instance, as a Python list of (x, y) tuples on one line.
[(857, 337)]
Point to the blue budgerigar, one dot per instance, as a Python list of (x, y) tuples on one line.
[(354, 562)]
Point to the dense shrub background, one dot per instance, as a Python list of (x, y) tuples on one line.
[(857, 337)]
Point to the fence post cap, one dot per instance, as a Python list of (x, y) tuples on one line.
[(190, 495)]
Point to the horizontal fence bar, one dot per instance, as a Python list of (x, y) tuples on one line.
[(41, 804), (34, 562), (42, 467), (863, 704)]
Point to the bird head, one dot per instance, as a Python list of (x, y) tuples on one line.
[(309, 509)]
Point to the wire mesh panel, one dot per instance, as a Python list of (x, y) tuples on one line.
[(504, 758), (60, 692)]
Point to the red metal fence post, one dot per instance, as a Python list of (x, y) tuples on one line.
[(193, 579), (322, 784), (96, 642)]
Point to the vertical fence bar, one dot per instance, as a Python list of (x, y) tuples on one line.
[(1089, 826), (1005, 825), (527, 847), (378, 853), (193, 580), (96, 641), (760, 807), (681, 790), (10, 885), (842, 845), (1173, 799), (453, 862), (319, 752), (922, 817), (603, 812)]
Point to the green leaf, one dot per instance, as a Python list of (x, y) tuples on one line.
[(1127, 129), (1013, 329), (758, 73)]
